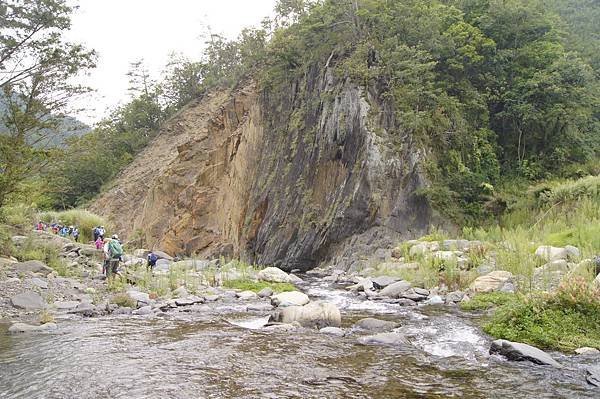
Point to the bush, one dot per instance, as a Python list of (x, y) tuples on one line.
[(487, 301), (46, 252), (565, 320)]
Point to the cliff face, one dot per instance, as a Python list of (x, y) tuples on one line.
[(311, 173)]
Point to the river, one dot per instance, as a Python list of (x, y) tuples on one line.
[(199, 354)]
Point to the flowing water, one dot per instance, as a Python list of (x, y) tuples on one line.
[(200, 355)]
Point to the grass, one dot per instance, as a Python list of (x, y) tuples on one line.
[(46, 252), (85, 220), (255, 286), (46, 317), (123, 300), (564, 320), (487, 301)]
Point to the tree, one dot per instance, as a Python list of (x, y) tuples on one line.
[(36, 66)]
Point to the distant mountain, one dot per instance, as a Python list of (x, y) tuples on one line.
[(49, 137)]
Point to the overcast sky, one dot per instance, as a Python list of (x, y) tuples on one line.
[(124, 31)]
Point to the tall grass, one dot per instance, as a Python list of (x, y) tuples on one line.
[(83, 219)]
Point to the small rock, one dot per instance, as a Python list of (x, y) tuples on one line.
[(434, 300), (295, 279), (572, 252), (180, 292), (259, 307), (144, 310), (265, 292), (38, 282), (383, 339), (371, 324), (509, 288), (190, 300), (587, 351), (140, 297), (520, 352), (549, 253), (455, 297), (122, 311), (593, 375), (336, 331), (212, 298), (485, 269), (65, 305), (421, 291)]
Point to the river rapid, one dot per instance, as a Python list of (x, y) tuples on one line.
[(201, 354)]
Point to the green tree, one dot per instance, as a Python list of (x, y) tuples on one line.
[(36, 65)]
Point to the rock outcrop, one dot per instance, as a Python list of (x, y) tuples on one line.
[(288, 178)]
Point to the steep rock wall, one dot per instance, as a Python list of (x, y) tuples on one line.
[(309, 172)]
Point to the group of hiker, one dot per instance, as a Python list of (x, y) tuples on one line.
[(112, 248), (59, 229)]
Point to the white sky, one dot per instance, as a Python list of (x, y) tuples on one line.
[(124, 31)]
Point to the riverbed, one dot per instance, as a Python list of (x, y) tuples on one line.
[(200, 354)]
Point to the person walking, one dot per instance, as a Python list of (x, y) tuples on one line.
[(152, 258), (76, 234), (113, 251)]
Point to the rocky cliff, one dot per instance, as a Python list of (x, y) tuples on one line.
[(313, 171)]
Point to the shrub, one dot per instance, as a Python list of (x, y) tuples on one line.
[(487, 301), (123, 300)]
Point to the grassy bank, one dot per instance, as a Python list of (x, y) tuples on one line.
[(563, 320)]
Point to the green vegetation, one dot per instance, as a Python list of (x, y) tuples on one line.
[(488, 301), (47, 252), (252, 285), (123, 300), (85, 220), (564, 320)]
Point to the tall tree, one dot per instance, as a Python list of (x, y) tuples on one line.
[(36, 67)]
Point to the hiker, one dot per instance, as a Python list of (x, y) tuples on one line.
[(95, 232), (40, 226), (99, 243), (113, 251), (152, 258), (76, 234), (101, 232)]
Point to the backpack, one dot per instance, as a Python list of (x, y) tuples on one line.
[(152, 258), (115, 248)]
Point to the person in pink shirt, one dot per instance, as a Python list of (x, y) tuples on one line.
[(99, 243)]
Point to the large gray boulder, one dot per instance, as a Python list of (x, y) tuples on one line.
[(315, 314), (290, 298), (274, 275), (522, 352), (396, 289), (593, 375), (383, 281), (28, 300), (371, 324), (33, 266), (162, 265), (386, 338), (162, 255)]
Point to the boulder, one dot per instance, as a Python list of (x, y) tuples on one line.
[(290, 298), (492, 281), (549, 253), (17, 328), (265, 292), (315, 314), (33, 266), (445, 255), (387, 338), (247, 295), (454, 297), (192, 264), (383, 281), (397, 252), (572, 252), (180, 292), (162, 255), (259, 307), (522, 352), (593, 375), (274, 275), (396, 289), (295, 279), (65, 305), (140, 297), (28, 300), (162, 265), (144, 310), (371, 324), (434, 300)]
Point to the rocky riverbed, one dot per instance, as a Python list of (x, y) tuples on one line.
[(336, 335)]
